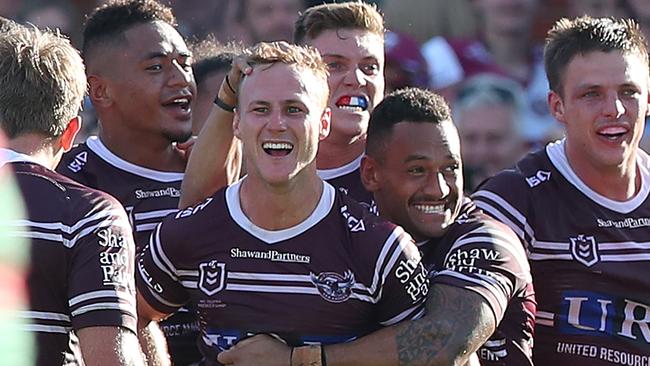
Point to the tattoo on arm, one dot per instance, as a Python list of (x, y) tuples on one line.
[(457, 323)]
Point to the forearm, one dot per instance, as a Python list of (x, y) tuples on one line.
[(215, 160), (457, 323), (153, 343)]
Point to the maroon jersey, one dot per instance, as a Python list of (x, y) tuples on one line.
[(347, 179), (148, 196), (482, 255), (81, 262), (589, 257), (341, 273)]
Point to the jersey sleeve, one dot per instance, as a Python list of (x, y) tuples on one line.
[(403, 280), (489, 260), (101, 289), (505, 197), (157, 277)]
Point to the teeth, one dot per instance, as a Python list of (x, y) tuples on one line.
[(613, 131), (277, 146), (430, 209), (181, 100), (352, 103), (350, 108)]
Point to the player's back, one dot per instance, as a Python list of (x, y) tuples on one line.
[(589, 257), (347, 179), (67, 279)]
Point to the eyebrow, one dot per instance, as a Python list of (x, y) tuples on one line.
[(162, 54)]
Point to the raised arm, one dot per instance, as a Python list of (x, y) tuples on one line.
[(457, 323), (216, 156), (109, 346)]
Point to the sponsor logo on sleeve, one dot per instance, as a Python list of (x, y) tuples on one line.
[(354, 223), (114, 263), (212, 277), (540, 177), (192, 210), (584, 249), (412, 274), (334, 287), (79, 161)]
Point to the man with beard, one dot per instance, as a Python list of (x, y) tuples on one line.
[(141, 85)]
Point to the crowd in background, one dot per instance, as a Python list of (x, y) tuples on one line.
[(484, 56)]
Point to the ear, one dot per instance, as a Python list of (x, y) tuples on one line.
[(235, 125), (647, 111), (98, 91), (556, 105), (325, 124), (370, 173), (70, 132)]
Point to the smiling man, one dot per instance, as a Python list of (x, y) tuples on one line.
[(581, 205), (281, 251), (350, 38), (141, 86)]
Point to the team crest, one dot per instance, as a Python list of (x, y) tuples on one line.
[(212, 277), (334, 287), (585, 250)]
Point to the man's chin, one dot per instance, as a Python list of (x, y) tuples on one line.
[(178, 136)]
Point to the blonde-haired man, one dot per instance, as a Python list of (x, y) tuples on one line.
[(281, 251), (81, 282)]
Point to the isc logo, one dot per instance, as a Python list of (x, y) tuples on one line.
[(78, 162), (591, 313), (192, 210), (539, 178)]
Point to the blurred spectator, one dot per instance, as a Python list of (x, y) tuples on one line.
[(405, 65), (640, 11), (423, 19), (596, 8), (487, 111), (199, 18), (211, 63), (504, 47), (268, 20)]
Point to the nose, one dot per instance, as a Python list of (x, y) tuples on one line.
[(276, 122), (436, 186), (614, 107), (355, 77), (180, 76)]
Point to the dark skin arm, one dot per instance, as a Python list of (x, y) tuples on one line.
[(457, 323)]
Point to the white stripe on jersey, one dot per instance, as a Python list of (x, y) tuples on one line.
[(506, 207), (544, 315), (122, 295), (406, 314), (128, 309), (146, 227), (44, 328), (43, 315), (490, 283), (398, 234), (153, 214), (548, 257), (273, 289), (158, 255), (562, 251), (495, 343), (113, 214)]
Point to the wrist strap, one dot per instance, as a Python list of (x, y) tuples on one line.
[(223, 105), (311, 355)]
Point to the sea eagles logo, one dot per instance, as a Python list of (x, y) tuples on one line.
[(212, 277), (585, 250), (332, 286)]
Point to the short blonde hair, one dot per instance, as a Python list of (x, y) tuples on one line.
[(303, 57), (42, 82), (347, 15)]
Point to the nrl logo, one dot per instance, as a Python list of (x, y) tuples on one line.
[(212, 277), (334, 287), (584, 249)]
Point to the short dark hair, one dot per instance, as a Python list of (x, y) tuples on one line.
[(107, 23), (347, 15), (579, 36), (409, 104), (210, 56)]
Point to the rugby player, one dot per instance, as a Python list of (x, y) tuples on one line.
[(142, 87), (281, 251), (81, 281), (581, 204)]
